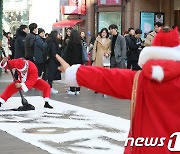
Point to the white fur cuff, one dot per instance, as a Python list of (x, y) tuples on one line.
[(2, 100), (24, 87), (159, 53), (70, 75), (46, 99), (2, 66), (157, 73)]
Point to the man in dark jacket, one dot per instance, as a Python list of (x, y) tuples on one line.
[(131, 32), (135, 47), (40, 51), (19, 41), (29, 42)]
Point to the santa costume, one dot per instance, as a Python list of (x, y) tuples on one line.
[(154, 91), (27, 77)]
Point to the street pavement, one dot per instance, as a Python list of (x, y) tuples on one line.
[(87, 99)]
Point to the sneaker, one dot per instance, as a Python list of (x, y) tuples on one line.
[(46, 105), (54, 91), (105, 96), (71, 93), (68, 89), (77, 92)]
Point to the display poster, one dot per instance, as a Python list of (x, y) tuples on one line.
[(146, 22)]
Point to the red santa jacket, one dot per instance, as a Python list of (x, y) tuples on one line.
[(27, 80), (157, 97)]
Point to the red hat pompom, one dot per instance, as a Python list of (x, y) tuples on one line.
[(167, 39)]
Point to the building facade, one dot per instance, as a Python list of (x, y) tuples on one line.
[(127, 13)]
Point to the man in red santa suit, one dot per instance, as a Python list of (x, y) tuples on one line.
[(154, 92), (27, 79)]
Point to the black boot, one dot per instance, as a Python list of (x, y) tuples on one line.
[(46, 105)]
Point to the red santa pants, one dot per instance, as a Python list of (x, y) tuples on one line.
[(40, 85)]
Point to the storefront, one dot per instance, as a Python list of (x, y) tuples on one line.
[(109, 12), (15, 13), (72, 15)]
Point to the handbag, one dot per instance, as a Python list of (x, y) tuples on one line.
[(106, 61), (85, 57)]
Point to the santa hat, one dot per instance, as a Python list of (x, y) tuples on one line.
[(165, 47), (21, 64)]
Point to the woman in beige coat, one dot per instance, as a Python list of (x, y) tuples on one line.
[(101, 48)]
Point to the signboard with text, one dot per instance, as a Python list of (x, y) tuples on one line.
[(109, 2), (75, 7)]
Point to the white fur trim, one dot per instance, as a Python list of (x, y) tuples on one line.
[(25, 66), (2, 66), (159, 53), (24, 87), (46, 99), (70, 75), (2, 101), (157, 73)]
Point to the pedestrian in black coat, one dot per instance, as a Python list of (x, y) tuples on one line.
[(53, 49), (29, 42), (135, 47), (20, 41), (74, 55), (40, 51)]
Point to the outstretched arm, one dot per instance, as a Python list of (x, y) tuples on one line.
[(114, 82)]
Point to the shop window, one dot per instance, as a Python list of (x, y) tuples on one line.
[(107, 18)]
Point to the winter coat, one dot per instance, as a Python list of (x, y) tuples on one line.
[(52, 64), (149, 38), (99, 50), (20, 44), (120, 48), (134, 48), (40, 50), (74, 53), (29, 45)]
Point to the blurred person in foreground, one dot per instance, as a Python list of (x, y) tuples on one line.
[(154, 91)]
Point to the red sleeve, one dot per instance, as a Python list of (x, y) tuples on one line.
[(11, 62), (113, 82)]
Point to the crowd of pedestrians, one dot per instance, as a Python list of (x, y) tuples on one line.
[(109, 49)]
